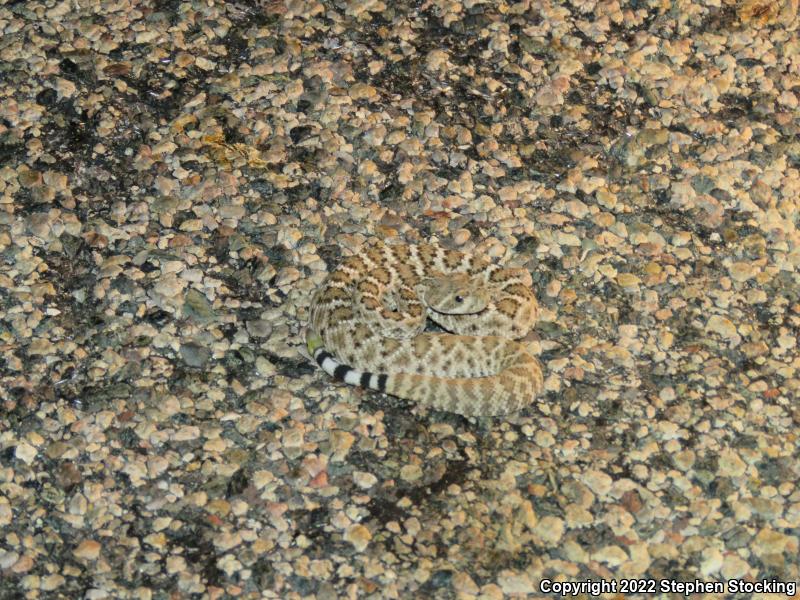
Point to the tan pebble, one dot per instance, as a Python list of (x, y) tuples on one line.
[(78, 505), (515, 468), (463, 583), (166, 185), (25, 452), (191, 225), (549, 529), (29, 177), (51, 582), (341, 442), (495, 248), (395, 137), (653, 270), (667, 394), (135, 469), (684, 460), (23, 565), (410, 473), (176, 564), (187, 432), (169, 286), (733, 567), (723, 326), (287, 276), (606, 198), (7, 559), (413, 526), (742, 271), (628, 280), (604, 219), (315, 464), (267, 218), (568, 239), (217, 445), (183, 60), (320, 480), (39, 347), (711, 563), (368, 169), (226, 540), (769, 541), (232, 211), (364, 480), (515, 583), (527, 515), (657, 240), (247, 424), (198, 499), (289, 236), (461, 236), (147, 36), (264, 367), (613, 556), (730, 465), (156, 540), (553, 288), (167, 148), (639, 559), (668, 430), (204, 63), (65, 88), (361, 91), (359, 536), (682, 238), (577, 209), (229, 565), (597, 481), (39, 225), (549, 96), (659, 550), (436, 60), (574, 551), (266, 273), (167, 266), (293, 438), (577, 516), (87, 550), (442, 429)]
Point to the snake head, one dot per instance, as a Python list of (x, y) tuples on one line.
[(455, 294)]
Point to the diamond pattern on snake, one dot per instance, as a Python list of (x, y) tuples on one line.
[(367, 321)]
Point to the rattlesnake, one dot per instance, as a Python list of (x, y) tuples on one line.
[(366, 321)]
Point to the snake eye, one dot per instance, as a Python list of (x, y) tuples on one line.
[(459, 299)]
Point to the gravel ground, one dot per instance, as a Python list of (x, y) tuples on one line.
[(177, 177)]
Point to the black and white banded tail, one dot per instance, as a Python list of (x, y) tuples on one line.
[(348, 374)]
